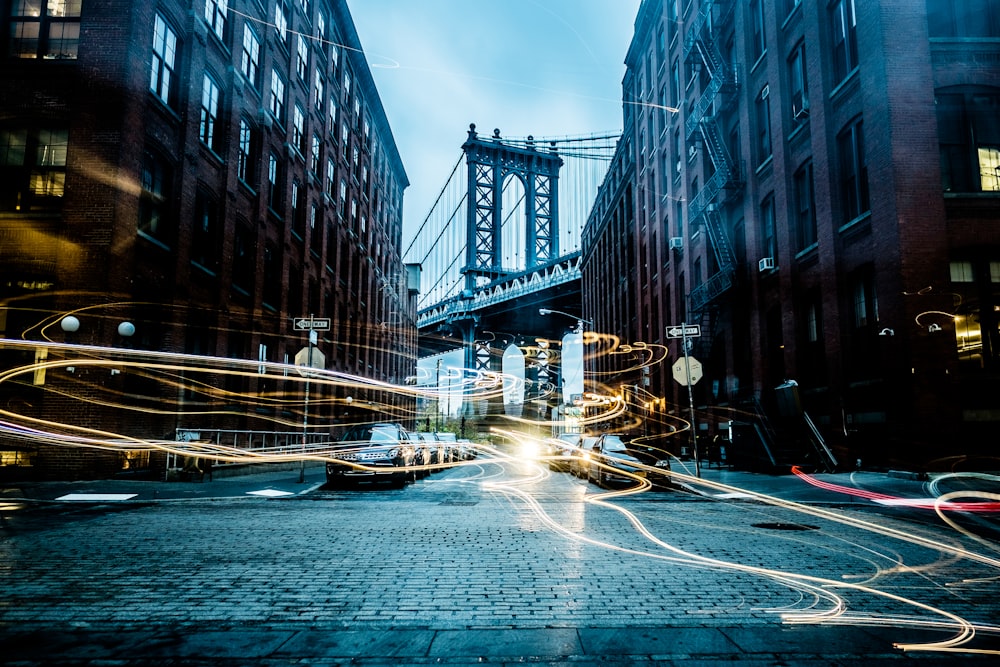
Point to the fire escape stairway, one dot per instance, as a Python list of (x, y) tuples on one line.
[(701, 48)]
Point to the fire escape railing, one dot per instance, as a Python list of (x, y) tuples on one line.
[(701, 47)]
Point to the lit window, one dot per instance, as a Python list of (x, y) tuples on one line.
[(48, 29), (32, 169), (961, 272), (164, 60)]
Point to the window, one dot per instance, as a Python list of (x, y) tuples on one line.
[(332, 115), (298, 209), (153, 197), (321, 39), (164, 61), (853, 171), (209, 112), (864, 301), (969, 131), (799, 84), (758, 43), (275, 176), (805, 208), (763, 115), (330, 177), (281, 20), (315, 230), (299, 130), (344, 136), (302, 59), (250, 61), (215, 16), (32, 169), (314, 154), (961, 272), (245, 159), (243, 258), (277, 103), (675, 84), (205, 233), (342, 206), (845, 39), (272, 277), (48, 29), (963, 18), (319, 90), (768, 237)]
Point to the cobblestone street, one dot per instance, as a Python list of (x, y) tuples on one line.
[(484, 561)]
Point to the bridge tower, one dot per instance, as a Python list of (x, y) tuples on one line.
[(491, 163)]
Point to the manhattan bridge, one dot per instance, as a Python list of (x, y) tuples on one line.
[(500, 258)]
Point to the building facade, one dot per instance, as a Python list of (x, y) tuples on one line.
[(207, 171), (816, 187)]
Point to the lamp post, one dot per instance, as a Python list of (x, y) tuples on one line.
[(580, 321)]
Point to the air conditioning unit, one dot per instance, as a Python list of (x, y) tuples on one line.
[(676, 243), (766, 264)]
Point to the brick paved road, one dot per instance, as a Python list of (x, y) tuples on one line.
[(482, 563)]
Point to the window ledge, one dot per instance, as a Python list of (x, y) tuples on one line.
[(856, 225)]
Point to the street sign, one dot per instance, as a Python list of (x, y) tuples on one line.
[(680, 370), (684, 331), (314, 359), (312, 324)]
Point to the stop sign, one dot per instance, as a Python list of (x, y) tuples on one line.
[(681, 370)]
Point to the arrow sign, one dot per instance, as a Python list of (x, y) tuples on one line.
[(312, 324), (686, 330)]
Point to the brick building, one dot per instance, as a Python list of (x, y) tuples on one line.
[(816, 186), (206, 171)]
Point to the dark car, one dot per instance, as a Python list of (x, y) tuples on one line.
[(377, 453), (621, 458)]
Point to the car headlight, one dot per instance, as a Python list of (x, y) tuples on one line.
[(393, 453), (662, 463)]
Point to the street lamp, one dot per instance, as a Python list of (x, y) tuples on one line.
[(580, 320)]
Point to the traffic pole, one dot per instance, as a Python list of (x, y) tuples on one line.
[(687, 366)]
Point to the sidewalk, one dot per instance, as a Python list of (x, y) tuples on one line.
[(273, 483), (690, 646)]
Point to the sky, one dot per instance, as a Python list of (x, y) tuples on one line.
[(547, 68)]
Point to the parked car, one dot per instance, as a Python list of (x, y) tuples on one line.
[(625, 457), (439, 452), (373, 453), (469, 450), (450, 441), (564, 445), (424, 451), (579, 465)]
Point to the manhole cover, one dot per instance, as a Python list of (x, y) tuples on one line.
[(785, 526), (459, 503)]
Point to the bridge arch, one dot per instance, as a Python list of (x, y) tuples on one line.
[(490, 163)]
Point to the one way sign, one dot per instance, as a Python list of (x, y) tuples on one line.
[(684, 331), (312, 324)]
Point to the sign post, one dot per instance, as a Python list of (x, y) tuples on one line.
[(312, 325), (691, 374)]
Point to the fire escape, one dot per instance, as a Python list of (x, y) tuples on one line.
[(702, 50)]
